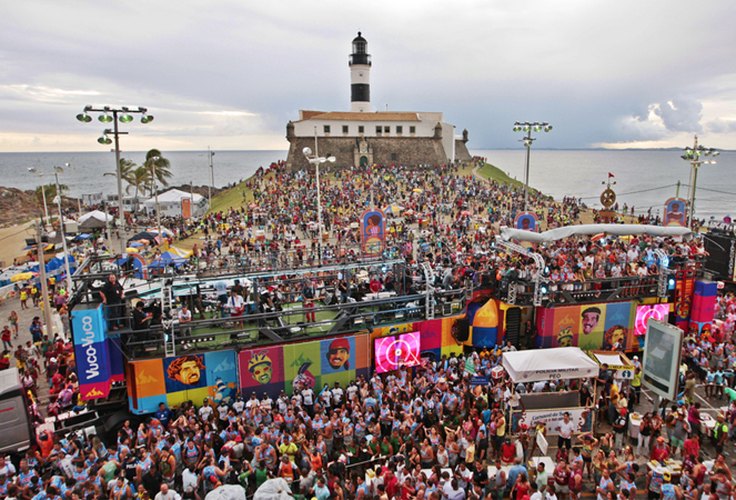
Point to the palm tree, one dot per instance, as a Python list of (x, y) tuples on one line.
[(127, 167), (158, 166)]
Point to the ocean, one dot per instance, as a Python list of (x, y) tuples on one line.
[(644, 178)]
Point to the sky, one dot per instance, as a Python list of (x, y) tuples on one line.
[(231, 74)]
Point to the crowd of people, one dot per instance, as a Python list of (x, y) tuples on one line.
[(425, 432), (418, 433)]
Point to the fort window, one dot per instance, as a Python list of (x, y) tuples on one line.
[(412, 129), (379, 129), (399, 129), (394, 156), (344, 129), (361, 129), (386, 129), (327, 129)]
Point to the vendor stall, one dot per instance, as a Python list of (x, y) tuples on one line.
[(548, 408)]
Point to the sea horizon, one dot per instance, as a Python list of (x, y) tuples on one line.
[(644, 178)]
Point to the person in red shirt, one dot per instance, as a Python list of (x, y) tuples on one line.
[(660, 450), (508, 452), (691, 447)]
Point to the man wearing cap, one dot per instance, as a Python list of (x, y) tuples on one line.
[(660, 450), (720, 433)]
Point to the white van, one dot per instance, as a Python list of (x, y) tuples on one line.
[(15, 427)]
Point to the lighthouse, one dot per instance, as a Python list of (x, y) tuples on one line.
[(360, 72)]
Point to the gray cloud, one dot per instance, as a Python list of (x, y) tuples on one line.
[(680, 115), (485, 64), (721, 126)]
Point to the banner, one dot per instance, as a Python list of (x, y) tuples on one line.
[(582, 416), (297, 366), (186, 208), (675, 212), (662, 352), (684, 288), (173, 381), (526, 221), (397, 351), (91, 351), (373, 232), (607, 326)]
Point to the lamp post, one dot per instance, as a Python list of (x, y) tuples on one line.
[(315, 160), (114, 115), (212, 177), (67, 270), (34, 170), (693, 156), (528, 128), (155, 194)]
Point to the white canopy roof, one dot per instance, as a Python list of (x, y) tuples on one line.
[(508, 233), (545, 364), (175, 195), (95, 214)]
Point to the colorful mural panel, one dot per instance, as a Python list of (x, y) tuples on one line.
[(591, 326), (182, 378)]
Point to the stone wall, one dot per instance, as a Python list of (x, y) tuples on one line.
[(461, 151), (386, 150)]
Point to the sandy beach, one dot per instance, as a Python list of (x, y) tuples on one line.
[(12, 241)]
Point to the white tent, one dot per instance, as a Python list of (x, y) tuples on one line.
[(546, 364), (508, 233), (94, 219), (169, 203)]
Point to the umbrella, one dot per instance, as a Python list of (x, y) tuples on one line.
[(393, 208), (22, 276), (234, 492), (273, 489)]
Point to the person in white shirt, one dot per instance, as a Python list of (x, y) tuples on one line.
[(567, 428), (206, 411), (185, 317), (235, 304), (167, 494)]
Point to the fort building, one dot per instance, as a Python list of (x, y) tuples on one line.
[(363, 136)]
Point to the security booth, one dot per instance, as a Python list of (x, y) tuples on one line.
[(548, 408)]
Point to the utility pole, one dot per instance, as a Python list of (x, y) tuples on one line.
[(44, 281), (677, 192)]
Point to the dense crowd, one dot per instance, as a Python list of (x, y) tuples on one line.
[(425, 432)]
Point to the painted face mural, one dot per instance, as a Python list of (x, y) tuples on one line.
[(260, 367)]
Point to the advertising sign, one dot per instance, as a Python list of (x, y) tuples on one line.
[(373, 232), (186, 208), (643, 313), (662, 358), (552, 419), (526, 221), (675, 212), (91, 351), (397, 351)]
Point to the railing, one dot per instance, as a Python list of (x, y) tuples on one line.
[(521, 292), (289, 324)]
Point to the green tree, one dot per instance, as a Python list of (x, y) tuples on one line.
[(158, 167)]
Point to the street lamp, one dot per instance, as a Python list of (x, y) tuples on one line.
[(154, 160), (114, 115), (315, 160), (34, 170), (528, 128), (693, 156), (212, 177), (57, 171)]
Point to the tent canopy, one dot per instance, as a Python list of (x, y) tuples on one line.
[(508, 233), (545, 364)]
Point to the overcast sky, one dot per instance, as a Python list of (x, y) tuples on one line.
[(230, 74)]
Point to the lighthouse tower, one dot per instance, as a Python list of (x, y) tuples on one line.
[(360, 72)]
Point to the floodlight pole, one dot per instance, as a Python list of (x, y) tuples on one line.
[(67, 270), (693, 156), (528, 128)]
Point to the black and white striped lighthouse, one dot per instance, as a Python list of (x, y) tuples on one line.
[(360, 72)]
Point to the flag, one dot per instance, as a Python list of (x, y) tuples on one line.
[(610, 175)]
